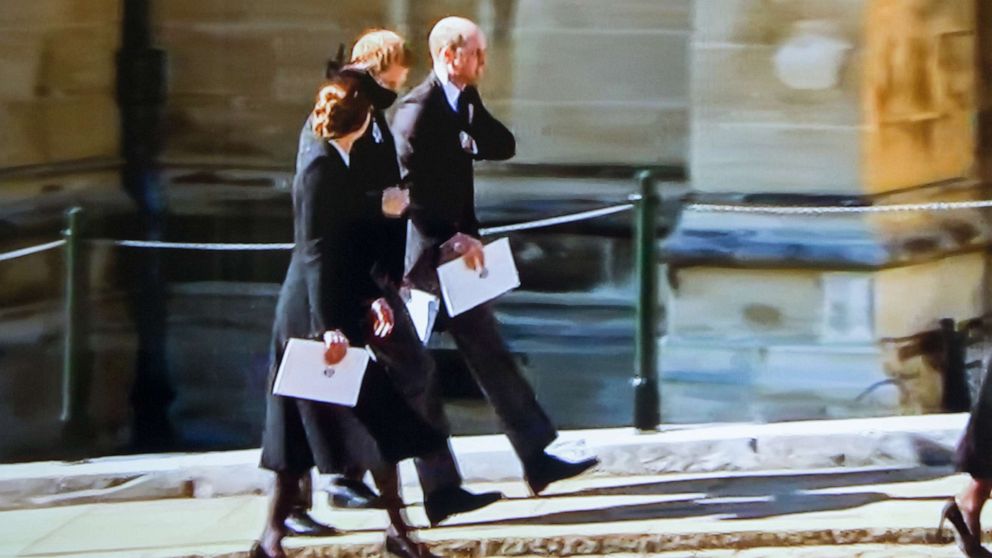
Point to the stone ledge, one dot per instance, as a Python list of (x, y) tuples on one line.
[(601, 545), (891, 441)]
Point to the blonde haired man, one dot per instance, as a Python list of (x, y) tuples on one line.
[(385, 55)]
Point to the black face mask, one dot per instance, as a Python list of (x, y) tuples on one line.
[(380, 96)]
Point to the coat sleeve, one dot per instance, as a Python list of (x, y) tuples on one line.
[(324, 211), (403, 129), (495, 142), (412, 136)]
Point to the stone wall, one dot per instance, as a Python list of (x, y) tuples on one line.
[(830, 102), (864, 96), (580, 82), (57, 92)]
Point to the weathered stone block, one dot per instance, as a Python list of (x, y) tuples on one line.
[(735, 157), (263, 12), (894, 78), (550, 64), (233, 129), (914, 298), (597, 132), (56, 13), (220, 60), (710, 302), (21, 60), (21, 140), (757, 95), (56, 98), (653, 68), (79, 60), (654, 15), (765, 22), (45, 131), (81, 127)]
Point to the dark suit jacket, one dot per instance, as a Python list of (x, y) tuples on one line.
[(437, 169), (330, 282), (375, 168)]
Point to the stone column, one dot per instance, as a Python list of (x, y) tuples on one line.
[(826, 102)]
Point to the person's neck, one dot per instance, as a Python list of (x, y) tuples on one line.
[(345, 143)]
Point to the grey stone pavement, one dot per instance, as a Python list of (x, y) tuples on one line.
[(865, 487)]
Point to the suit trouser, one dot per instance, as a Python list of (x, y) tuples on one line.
[(477, 337), (414, 374), (974, 452), (476, 334)]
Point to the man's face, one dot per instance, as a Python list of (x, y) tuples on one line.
[(469, 61), (394, 77)]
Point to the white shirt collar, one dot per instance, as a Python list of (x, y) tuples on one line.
[(451, 91), (345, 156)]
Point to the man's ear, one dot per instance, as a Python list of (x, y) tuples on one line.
[(449, 54)]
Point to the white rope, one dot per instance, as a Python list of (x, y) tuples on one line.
[(155, 244), (31, 250), (560, 220), (833, 210)]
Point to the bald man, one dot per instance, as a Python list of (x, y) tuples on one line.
[(441, 128)]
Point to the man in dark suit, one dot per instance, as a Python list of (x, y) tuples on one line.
[(441, 128)]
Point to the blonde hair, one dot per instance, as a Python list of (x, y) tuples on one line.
[(379, 49), (340, 108)]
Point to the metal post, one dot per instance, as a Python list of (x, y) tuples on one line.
[(957, 396), (76, 363), (647, 401)]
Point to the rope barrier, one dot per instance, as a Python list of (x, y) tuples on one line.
[(217, 246), (220, 246), (834, 210), (31, 250), (542, 223), (560, 220)]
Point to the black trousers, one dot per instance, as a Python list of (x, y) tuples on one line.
[(974, 452), (478, 339)]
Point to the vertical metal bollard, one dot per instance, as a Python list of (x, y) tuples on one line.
[(76, 365), (647, 401), (957, 396)]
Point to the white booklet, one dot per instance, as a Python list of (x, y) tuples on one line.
[(304, 374), (423, 308), (464, 288)]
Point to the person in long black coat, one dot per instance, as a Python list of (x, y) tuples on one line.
[(441, 128), (382, 64), (381, 60), (974, 456), (331, 292)]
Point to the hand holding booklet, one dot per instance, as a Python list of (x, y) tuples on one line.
[(464, 288), (304, 374)]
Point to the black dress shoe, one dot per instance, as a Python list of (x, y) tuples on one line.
[(302, 524), (402, 546), (446, 502), (353, 495), (969, 543), (546, 469)]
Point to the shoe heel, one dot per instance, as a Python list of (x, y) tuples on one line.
[(939, 535)]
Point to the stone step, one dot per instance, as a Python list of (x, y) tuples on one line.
[(751, 513), (881, 442)]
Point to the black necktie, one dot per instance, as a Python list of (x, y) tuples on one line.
[(463, 107)]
